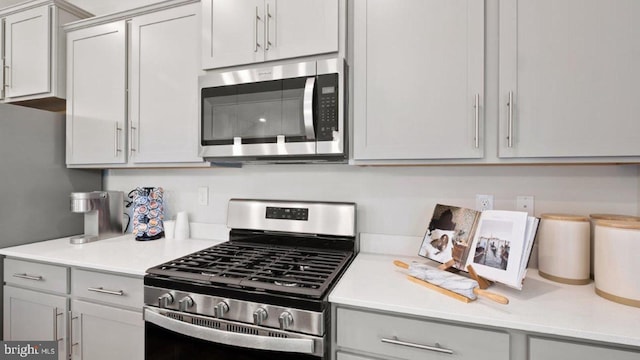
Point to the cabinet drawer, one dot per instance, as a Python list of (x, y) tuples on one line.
[(109, 288), (547, 349), (406, 338), (37, 275)]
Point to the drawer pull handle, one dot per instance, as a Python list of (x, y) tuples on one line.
[(394, 340), (28, 277), (105, 291)]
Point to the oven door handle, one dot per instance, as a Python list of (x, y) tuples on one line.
[(304, 346), (307, 108)]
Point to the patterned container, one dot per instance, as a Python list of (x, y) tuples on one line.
[(148, 213)]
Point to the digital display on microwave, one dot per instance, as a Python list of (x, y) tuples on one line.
[(328, 90)]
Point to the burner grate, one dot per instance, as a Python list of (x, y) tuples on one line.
[(305, 271)]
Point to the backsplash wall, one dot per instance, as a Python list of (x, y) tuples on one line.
[(393, 200)]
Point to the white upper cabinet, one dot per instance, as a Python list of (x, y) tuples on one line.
[(418, 79), (34, 49), (165, 64), (96, 105), (133, 88), (571, 68), (243, 32), (27, 61)]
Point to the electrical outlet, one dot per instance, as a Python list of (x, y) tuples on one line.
[(203, 195), (525, 203), (484, 202)]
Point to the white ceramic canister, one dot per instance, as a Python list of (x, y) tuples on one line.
[(616, 249), (596, 217), (563, 248)]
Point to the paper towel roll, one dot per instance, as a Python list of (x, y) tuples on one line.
[(181, 231)]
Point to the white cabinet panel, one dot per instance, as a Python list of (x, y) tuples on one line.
[(103, 332), (28, 52), (547, 349), (418, 72), (164, 86), (233, 32), (34, 316), (572, 67), (96, 102), (245, 32), (300, 27)]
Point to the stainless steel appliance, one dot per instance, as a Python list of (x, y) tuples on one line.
[(283, 113), (261, 295), (102, 211)]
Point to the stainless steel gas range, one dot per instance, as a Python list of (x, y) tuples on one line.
[(261, 295)]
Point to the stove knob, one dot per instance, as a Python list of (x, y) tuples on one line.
[(285, 319), (259, 316), (185, 303), (165, 300), (220, 309)]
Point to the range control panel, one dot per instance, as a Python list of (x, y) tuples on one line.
[(287, 213)]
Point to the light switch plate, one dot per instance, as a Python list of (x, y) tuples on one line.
[(203, 195)]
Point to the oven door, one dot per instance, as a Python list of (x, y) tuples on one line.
[(172, 335)]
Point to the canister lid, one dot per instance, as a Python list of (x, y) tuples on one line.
[(565, 217), (632, 225), (614, 217)]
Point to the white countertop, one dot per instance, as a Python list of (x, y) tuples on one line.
[(543, 306), (122, 254)]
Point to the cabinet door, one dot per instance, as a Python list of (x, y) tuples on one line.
[(164, 86), (2, 70), (300, 27), (34, 316), (418, 79), (101, 332), (28, 52), (571, 67), (232, 32), (547, 349), (96, 98)]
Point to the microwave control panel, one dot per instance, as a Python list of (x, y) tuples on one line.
[(327, 95)]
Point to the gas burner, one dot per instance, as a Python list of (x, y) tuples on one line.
[(287, 281)]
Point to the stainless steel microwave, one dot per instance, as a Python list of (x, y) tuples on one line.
[(283, 113)]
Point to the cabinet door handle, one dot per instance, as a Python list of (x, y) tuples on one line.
[(394, 340), (105, 291), (71, 343), (133, 138), (29, 277), (117, 139), (256, 32), (7, 71), (56, 314), (267, 44), (510, 124), (477, 120)]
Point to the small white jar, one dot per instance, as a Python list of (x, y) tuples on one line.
[(616, 248), (563, 248)]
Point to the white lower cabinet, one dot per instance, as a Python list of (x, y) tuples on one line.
[(104, 332), (92, 314), (362, 334), (34, 316), (551, 349), (390, 335)]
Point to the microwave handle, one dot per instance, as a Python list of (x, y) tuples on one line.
[(307, 108)]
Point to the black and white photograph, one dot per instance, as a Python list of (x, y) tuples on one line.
[(449, 234)]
